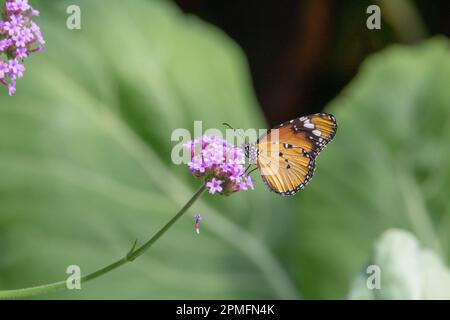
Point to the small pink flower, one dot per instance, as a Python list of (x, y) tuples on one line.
[(247, 183), (5, 44), (214, 185), (16, 69), (3, 69), (21, 53), (12, 87)]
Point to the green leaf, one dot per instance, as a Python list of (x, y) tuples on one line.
[(407, 271), (85, 149), (388, 167)]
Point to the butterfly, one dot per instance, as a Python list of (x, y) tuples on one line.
[(286, 154)]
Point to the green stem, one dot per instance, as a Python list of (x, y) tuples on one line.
[(131, 255)]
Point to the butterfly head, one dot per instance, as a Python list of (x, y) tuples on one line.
[(250, 152)]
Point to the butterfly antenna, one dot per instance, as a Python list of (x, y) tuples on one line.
[(236, 130), (252, 171), (227, 125)]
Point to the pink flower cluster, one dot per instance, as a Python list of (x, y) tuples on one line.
[(19, 37), (220, 163)]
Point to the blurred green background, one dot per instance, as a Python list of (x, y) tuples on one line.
[(85, 166)]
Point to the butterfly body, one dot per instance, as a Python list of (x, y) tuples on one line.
[(286, 154)]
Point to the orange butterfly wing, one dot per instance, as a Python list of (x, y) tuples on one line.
[(286, 154), (287, 170)]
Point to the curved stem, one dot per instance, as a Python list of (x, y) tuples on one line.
[(131, 255)]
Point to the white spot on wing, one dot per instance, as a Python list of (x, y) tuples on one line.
[(317, 132), (308, 125)]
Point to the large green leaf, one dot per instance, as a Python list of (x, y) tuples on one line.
[(85, 159), (389, 166), (404, 271)]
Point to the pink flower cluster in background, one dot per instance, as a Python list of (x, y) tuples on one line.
[(220, 163), (19, 37)]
